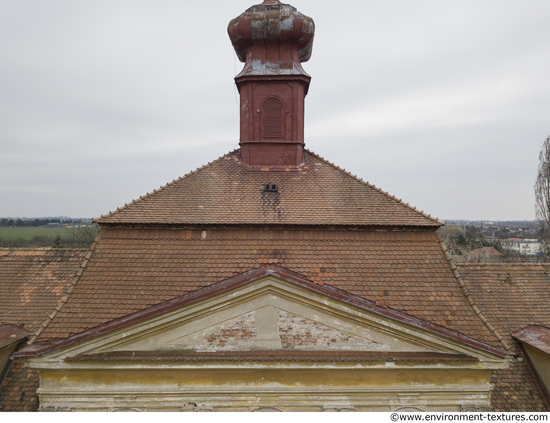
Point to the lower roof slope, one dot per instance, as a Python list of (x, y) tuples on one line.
[(512, 296), (132, 269), (18, 392), (33, 284), (227, 192)]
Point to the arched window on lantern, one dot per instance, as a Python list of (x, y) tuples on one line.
[(272, 119)]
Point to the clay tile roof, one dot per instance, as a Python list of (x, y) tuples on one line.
[(489, 251), (15, 392), (285, 355), (241, 279), (33, 284), (135, 268), (536, 336), (226, 192), (10, 334), (18, 392), (511, 297)]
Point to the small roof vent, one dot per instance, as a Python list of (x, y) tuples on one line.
[(270, 187)]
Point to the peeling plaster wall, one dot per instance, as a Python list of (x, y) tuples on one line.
[(233, 331), (299, 333), (269, 328), (252, 389), (541, 363)]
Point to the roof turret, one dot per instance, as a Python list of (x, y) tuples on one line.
[(272, 38)]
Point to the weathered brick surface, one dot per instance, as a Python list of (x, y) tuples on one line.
[(297, 332), (242, 327), (512, 296)]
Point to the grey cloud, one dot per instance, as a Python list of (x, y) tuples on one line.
[(441, 103)]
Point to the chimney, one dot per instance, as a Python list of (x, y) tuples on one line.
[(272, 39)]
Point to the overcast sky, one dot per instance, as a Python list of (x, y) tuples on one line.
[(444, 104)]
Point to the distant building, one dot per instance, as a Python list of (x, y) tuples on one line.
[(54, 225), (527, 247), (481, 255)]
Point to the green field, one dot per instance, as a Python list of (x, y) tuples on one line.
[(29, 233)]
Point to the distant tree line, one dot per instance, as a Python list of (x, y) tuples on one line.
[(81, 237), (534, 224), (32, 223), (463, 240), (542, 197)]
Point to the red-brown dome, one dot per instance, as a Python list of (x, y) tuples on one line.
[(272, 38)]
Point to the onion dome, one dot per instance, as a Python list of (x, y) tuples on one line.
[(272, 38)]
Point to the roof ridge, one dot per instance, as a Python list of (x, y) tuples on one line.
[(387, 194), (162, 187), (68, 291), (466, 293)]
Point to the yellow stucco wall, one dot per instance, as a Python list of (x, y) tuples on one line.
[(246, 389)]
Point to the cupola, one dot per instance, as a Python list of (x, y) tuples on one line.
[(272, 39)]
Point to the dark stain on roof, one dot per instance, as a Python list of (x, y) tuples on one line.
[(227, 192)]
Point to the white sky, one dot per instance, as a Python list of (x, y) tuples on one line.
[(444, 104)]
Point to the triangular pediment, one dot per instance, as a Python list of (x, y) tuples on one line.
[(272, 328), (269, 309), (272, 321)]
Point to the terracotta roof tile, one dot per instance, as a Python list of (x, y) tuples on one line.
[(226, 192), (33, 284), (241, 279), (131, 270), (512, 296), (10, 334), (536, 336), (18, 392)]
